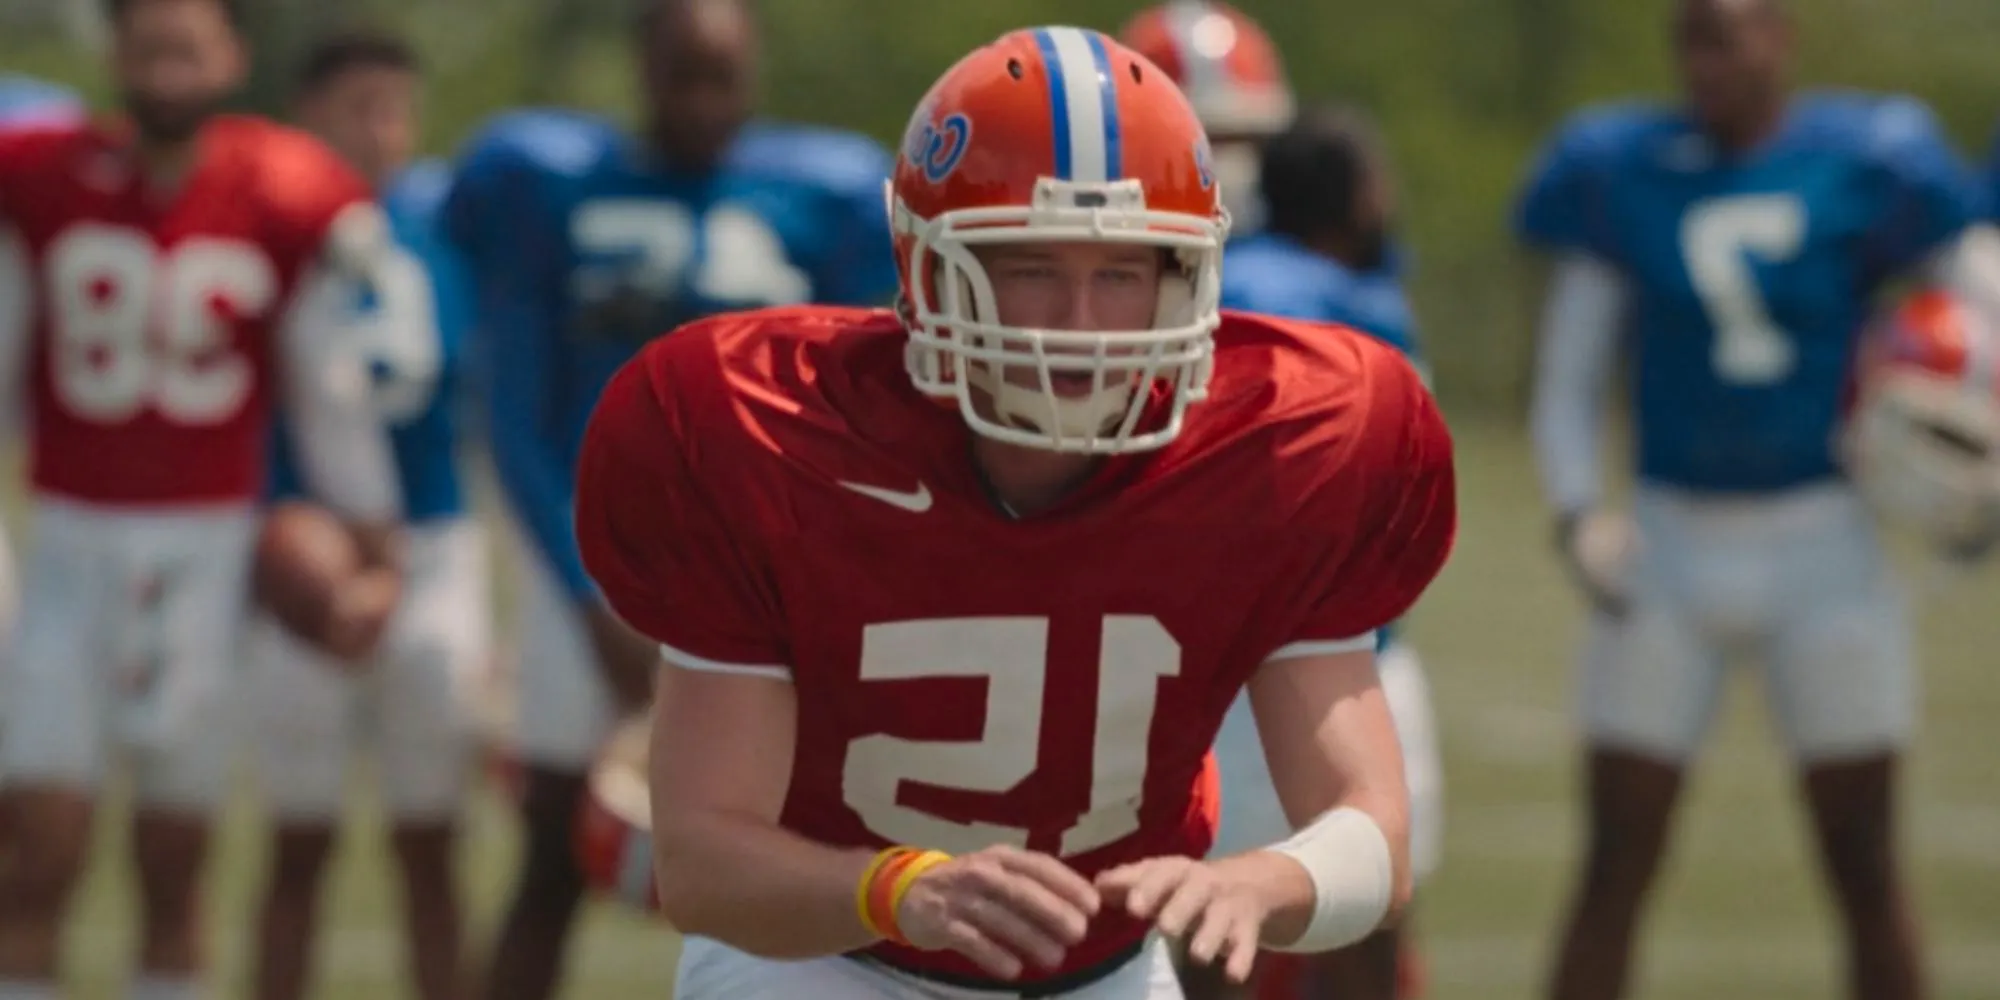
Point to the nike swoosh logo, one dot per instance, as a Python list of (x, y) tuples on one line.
[(915, 501)]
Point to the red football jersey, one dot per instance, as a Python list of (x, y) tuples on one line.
[(768, 490), (152, 355)]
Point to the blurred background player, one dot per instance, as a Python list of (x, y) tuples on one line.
[(25, 102), (1229, 70), (1324, 254), (586, 242), (192, 266), (409, 704), (1734, 244)]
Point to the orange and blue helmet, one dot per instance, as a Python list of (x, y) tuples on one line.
[(1057, 135)]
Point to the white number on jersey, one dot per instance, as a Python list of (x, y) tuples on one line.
[(402, 337), (1717, 237), (135, 327), (742, 258), (1011, 655)]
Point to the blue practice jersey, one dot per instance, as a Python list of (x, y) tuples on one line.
[(583, 249), (1749, 277), (420, 381), (25, 100), (1275, 275)]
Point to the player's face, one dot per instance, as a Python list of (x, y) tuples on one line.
[(175, 61), (1083, 287), (369, 116), (1731, 55), (699, 72)]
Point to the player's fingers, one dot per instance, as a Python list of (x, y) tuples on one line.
[(1061, 918), (999, 923), (970, 941), (1210, 933), (1056, 877), (1242, 952), (1184, 906), (1157, 883), (1113, 883)]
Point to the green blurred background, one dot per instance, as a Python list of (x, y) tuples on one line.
[(1465, 90)]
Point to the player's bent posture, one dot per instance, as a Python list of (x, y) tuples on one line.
[(409, 704), (585, 243), (1325, 254), (194, 268), (954, 598), (1735, 245)]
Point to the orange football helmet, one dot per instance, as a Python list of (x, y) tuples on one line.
[(1222, 60), (1923, 442), (1231, 73), (1056, 135)]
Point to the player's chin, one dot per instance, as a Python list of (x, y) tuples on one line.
[(168, 121)]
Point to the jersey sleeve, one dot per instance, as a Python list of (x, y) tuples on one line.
[(1390, 516), (1930, 195), (321, 211), (658, 545), (1565, 205)]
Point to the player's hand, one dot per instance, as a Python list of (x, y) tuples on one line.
[(1598, 549), (627, 659), (1217, 909), (1000, 907)]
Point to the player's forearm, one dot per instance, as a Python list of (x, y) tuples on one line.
[(759, 887), (1338, 879), (1577, 353), (536, 480)]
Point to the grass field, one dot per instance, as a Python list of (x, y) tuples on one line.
[(1739, 916)]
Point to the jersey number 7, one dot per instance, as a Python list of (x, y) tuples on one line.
[(1717, 238), (1011, 654)]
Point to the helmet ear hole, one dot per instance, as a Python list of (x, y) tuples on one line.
[(1014, 69), (1137, 75)]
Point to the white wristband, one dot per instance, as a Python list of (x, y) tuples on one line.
[(1353, 876)]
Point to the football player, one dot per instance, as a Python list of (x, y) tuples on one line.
[(1229, 69), (1325, 255), (25, 102), (191, 267), (1733, 243), (585, 243), (411, 701), (953, 597)]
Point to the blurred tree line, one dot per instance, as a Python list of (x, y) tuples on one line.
[(1465, 91)]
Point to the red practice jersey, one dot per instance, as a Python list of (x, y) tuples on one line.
[(151, 363), (767, 490)]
